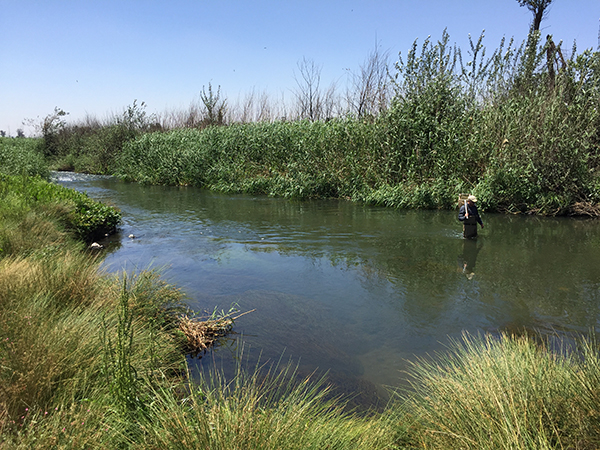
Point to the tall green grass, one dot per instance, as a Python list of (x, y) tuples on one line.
[(55, 306), (291, 159), (267, 408), (508, 392), (22, 157), (500, 126)]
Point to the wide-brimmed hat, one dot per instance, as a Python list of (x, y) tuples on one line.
[(472, 198)]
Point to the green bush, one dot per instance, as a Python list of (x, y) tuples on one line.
[(87, 218), (20, 156)]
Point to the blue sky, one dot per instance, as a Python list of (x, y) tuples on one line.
[(97, 57)]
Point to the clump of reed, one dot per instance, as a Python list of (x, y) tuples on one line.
[(203, 333), (268, 407), (507, 392)]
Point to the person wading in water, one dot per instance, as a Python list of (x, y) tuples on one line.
[(469, 216)]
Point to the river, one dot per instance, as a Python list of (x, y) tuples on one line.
[(354, 290)]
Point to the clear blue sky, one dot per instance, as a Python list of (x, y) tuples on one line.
[(97, 56)]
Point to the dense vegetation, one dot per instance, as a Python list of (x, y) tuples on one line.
[(22, 157), (89, 360), (518, 128)]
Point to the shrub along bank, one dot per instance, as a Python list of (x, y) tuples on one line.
[(519, 129), (22, 157)]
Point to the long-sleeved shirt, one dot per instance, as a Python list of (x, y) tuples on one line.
[(473, 214)]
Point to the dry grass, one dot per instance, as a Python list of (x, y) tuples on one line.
[(585, 209), (202, 333)]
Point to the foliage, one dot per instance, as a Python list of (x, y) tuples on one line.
[(91, 146), (50, 128), (87, 218), (507, 392), (501, 126), (517, 126), (539, 9), (22, 156), (52, 303)]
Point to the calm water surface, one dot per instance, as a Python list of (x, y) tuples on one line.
[(351, 289)]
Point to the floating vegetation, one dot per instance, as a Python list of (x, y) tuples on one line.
[(202, 333)]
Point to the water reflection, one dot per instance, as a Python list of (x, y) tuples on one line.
[(468, 257), (352, 289)]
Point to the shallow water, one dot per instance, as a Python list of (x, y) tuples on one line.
[(354, 290)]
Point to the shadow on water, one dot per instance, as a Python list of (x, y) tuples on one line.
[(354, 290)]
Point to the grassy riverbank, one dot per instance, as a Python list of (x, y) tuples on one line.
[(91, 360)]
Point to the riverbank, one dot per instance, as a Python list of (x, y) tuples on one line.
[(509, 128), (90, 361), (94, 361)]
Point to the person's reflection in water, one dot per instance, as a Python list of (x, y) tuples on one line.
[(467, 260)]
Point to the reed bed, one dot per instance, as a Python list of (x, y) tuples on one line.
[(520, 137), (20, 156)]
